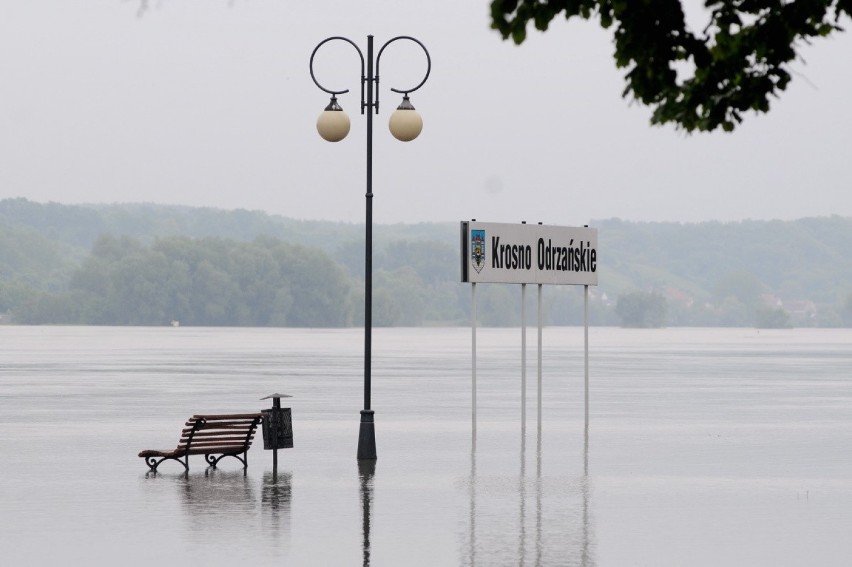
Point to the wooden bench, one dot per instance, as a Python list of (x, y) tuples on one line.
[(214, 436)]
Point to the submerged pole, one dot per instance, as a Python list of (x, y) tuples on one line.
[(586, 348), (473, 356)]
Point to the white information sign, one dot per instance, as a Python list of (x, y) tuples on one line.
[(528, 254)]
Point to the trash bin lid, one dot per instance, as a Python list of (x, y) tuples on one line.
[(273, 396)]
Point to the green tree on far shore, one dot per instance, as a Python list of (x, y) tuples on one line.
[(642, 309)]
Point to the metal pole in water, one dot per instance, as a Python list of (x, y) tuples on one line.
[(523, 357), (367, 432), (586, 347), (473, 354), (276, 408), (539, 358)]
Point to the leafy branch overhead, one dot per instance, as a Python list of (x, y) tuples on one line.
[(697, 81)]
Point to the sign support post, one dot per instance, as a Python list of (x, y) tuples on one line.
[(586, 349), (473, 351), (539, 361), (523, 357)]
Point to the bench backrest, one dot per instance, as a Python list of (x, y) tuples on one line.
[(219, 433)]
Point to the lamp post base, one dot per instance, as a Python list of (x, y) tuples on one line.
[(367, 437)]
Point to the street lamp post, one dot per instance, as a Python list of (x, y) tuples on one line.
[(333, 125)]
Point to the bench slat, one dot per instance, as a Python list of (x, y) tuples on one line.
[(203, 427), (215, 450), (215, 442), (218, 425), (206, 433), (216, 438), (226, 417), (239, 427)]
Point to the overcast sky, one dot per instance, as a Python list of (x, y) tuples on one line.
[(210, 102)]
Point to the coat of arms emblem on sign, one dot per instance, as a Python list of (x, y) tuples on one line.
[(477, 249)]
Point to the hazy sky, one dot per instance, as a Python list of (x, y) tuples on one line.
[(209, 102)]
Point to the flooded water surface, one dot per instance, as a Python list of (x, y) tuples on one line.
[(704, 447)]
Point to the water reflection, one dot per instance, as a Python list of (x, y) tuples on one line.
[(472, 539), (548, 517), (276, 501), (366, 471), (538, 546), (586, 558), (215, 500), (522, 532)]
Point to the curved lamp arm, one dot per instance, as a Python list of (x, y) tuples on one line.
[(334, 93), (404, 92)]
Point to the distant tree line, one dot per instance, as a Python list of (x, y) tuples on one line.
[(197, 282), (151, 264)]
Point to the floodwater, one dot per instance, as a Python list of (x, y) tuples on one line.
[(704, 447)]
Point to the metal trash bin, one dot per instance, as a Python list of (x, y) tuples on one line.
[(277, 424)]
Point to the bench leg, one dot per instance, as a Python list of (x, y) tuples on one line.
[(153, 463), (213, 460)]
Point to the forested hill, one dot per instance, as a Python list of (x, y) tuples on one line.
[(80, 225), (807, 258), (149, 264)]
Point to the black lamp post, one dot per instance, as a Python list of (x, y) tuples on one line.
[(333, 125)]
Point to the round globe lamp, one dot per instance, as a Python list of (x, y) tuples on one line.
[(333, 124), (405, 122)]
